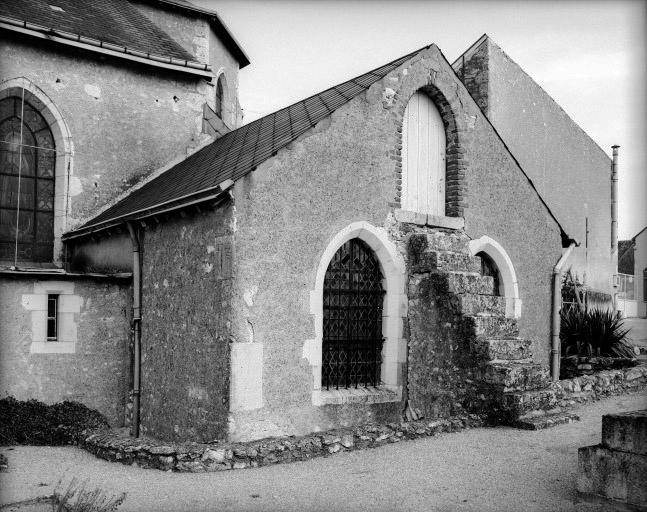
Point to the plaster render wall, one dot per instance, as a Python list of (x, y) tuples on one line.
[(96, 373), (125, 119), (186, 307), (345, 170), (640, 267), (570, 171)]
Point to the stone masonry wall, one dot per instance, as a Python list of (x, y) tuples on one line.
[(186, 307), (125, 119), (91, 363), (345, 170)]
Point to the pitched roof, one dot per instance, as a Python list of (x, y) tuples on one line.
[(107, 26), (235, 154)]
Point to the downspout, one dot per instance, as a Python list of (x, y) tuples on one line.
[(555, 352), (137, 328), (614, 220)]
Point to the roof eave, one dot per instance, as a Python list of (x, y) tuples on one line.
[(97, 46)]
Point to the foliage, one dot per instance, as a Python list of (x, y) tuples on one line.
[(595, 332), (572, 288), (33, 422), (77, 499)]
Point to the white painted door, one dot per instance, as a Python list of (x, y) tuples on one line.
[(423, 157)]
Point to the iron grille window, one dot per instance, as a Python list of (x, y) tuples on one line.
[(352, 318), (52, 318), (27, 159)]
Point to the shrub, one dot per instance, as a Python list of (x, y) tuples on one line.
[(76, 498), (33, 422), (594, 332)]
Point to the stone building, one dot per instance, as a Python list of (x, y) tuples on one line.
[(376, 246)]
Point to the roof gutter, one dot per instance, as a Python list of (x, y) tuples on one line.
[(98, 46), (158, 209)]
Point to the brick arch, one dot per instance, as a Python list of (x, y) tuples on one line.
[(455, 156)]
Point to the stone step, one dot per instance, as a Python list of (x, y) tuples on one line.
[(522, 403), (515, 376), (626, 431), (487, 326), (546, 421), (438, 241), (430, 261), (510, 349), (473, 304), (462, 282)]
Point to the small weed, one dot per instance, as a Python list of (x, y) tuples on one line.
[(76, 498)]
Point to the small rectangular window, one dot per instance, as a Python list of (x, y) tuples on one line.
[(52, 318)]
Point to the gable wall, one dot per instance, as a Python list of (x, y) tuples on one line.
[(568, 168), (347, 170)]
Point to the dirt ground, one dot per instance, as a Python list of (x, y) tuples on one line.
[(485, 469)]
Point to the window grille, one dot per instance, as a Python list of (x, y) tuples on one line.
[(27, 173), (352, 318), (52, 318)]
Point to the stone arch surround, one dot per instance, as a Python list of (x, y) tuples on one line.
[(509, 284), (394, 312), (64, 149)]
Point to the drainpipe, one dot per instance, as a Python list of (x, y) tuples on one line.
[(557, 303), (614, 219), (137, 327)]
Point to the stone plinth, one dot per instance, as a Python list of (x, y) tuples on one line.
[(617, 467)]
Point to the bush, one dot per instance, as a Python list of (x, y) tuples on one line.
[(594, 332), (33, 422)]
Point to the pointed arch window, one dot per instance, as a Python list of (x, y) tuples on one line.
[(27, 176), (219, 97), (423, 157)]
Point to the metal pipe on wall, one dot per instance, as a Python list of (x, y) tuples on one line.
[(137, 318), (614, 217), (555, 351)]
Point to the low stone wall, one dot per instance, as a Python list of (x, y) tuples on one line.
[(221, 456), (604, 383)]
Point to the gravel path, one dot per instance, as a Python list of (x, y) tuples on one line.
[(498, 469)]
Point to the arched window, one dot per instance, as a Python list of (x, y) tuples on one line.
[(352, 318), (27, 174), (423, 157), (645, 285), (489, 269), (219, 97)]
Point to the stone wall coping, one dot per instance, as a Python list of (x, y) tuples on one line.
[(118, 446), (606, 382)]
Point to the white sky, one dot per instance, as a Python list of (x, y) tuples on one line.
[(588, 55)]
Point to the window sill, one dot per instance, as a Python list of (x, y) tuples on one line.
[(424, 219), (52, 347), (372, 395)]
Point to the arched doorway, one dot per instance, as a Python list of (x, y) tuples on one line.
[(353, 299)]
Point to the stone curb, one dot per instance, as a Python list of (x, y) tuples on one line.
[(223, 456), (604, 383)]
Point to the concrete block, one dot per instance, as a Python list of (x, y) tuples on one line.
[(456, 223), (69, 304), (626, 432), (34, 301), (613, 474), (54, 287), (246, 376), (411, 217)]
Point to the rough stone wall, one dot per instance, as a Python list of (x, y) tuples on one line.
[(186, 306), (125, 119), (344, 170), (96, 374), (570, 171)]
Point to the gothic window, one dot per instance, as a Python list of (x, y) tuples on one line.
[(27, 168), (352, 318), (219, 97), (423, 157)]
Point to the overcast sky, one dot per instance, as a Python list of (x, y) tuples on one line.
[(588, 55)]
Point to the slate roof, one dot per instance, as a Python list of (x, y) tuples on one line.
[(237, 153), (111, 21)]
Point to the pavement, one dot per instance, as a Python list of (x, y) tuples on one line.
[(484, 469)]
